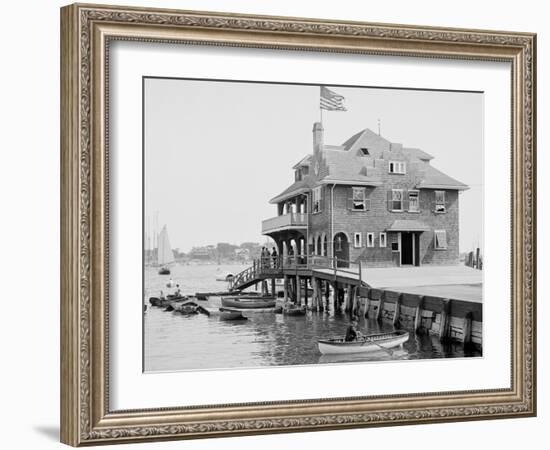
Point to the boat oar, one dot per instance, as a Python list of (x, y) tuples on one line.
[(366, 339)]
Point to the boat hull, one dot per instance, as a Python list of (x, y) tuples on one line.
[(371, 343), (155, 301), (226, 314), (256, 303), (294, 311)]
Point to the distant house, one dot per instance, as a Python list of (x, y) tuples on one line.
[(200, 253), (371, 200)]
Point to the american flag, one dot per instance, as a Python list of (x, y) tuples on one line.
[(331, 101)]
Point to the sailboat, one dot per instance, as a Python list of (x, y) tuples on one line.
[(165, 254)]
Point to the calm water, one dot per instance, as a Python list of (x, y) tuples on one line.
[(173, 341)]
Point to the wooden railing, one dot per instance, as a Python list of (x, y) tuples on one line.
[(286, 220), (275, 265)]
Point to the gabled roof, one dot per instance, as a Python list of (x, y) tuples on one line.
[(365, 138), (345, 164), (419, 154), (305, 161), (298, 187), (435, 179)]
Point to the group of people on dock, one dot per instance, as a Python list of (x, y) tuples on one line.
[(269, 259)]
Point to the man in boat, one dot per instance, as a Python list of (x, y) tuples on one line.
[(178, 291), (162, 297), (352, 333)]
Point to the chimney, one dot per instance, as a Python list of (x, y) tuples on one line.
[(317, 137)]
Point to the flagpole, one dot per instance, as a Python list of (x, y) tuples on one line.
[(320, 108)]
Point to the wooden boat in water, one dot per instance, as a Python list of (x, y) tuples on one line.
[(246, 302), (228, 276), (368, 343), (294, 310), (163, 302), (205, 295), (230, 314)]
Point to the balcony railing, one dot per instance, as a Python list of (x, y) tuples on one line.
[(292, 220)]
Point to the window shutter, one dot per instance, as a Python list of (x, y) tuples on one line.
[(405, 202), (389, 200), (440, 239)]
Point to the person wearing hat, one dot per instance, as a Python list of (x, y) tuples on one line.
[(352, 333)]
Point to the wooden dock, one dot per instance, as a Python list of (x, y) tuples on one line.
[(425, 308)]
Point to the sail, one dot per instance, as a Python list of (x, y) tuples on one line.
[(165, 254)]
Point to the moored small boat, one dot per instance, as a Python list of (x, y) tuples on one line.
[(205, 295), (187, 309), (248, 303), (156, 301), (294, 310), (368, 343), (228, 314), (228, 276)]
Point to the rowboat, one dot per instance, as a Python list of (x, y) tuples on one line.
[(205, 295), (294, 310), (248, 303), (228, 314), (368, 343), (228, 276), (156, 301)]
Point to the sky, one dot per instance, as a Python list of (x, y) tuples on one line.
[(216, 152)]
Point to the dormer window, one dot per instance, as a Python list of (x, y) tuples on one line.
[(363, 151), (399, 167)]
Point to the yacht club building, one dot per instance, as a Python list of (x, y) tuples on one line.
[(368, 200)]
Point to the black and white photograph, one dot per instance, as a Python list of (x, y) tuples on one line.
[(295, 224)]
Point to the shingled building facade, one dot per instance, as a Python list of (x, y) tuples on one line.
[(370, 200)]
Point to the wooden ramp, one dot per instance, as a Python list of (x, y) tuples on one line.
[(322, 267)]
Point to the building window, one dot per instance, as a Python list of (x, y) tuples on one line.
[(440, 239), (396, 200), (382, 242), (395, 246), (440, 206), (316, 200), (364, 151), (398, 167), (413, 201), (357, 240), (370, 239), (358, 199)]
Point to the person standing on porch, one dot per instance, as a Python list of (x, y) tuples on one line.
[(274, 257)]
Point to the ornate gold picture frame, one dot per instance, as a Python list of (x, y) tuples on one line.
[(87, 31)]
